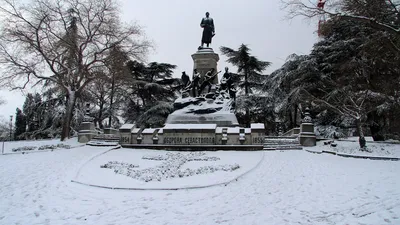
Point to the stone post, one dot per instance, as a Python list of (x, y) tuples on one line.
[(257, 133), (307, 136), (87, 129), (125, 134)]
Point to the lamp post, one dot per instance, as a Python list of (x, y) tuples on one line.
[(11, 118)]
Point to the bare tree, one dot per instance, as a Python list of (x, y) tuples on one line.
[(380, 14), (64, 42), (346, 103)]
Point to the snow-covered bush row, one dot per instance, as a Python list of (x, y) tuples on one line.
[(24, 148), (63, 146), (52, 147), (118, 165), (170, 168), (43, 147), (208, 169)]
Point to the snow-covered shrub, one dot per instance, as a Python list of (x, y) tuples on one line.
[(117, 165), (52, 147), (61, 145), (24, 148), (47, 147), (329, 131), (170, 167)]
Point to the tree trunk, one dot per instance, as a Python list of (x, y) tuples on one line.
[(377, 126), (246, 91), (361, 139), (111, 101), (296, 109), (66, 127), (246, 85), (101, 106)]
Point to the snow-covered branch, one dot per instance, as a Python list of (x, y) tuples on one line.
[(334, 9)]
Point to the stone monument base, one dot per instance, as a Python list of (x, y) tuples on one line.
[(194, 137), (204, 60)]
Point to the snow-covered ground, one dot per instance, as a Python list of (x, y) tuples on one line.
[(350, 146), (144, 169), (18, 147), (288, 187)]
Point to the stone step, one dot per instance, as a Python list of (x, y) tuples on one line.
[(102, 143), (281, 143), (106, 137), (282, 147)]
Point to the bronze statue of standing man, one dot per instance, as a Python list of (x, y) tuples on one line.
[(207, 23)]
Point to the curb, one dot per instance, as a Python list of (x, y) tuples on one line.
[(168, 189), (355, 156), (381, 142)]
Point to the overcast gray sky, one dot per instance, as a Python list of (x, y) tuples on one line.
[(174, 27)]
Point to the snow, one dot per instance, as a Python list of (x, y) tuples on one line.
[(135, 130), (350, 146), (190, 126), (208, 104), (233, 130), (288, 187), (127, 126), (257, 126), (176, 164), (148, 131)]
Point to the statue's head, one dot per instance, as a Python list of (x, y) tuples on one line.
[(195, 70), (207, 14), (226, 69)]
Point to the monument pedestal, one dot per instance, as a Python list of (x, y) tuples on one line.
[(204, 60)]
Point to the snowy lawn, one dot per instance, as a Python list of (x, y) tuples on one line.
[(38, 146), (351, 146), (146, 169), (288, 187)]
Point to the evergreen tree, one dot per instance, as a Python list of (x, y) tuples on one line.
[(350, 72), (29, 111), (20, 125), (151, 85), (249, 69)]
